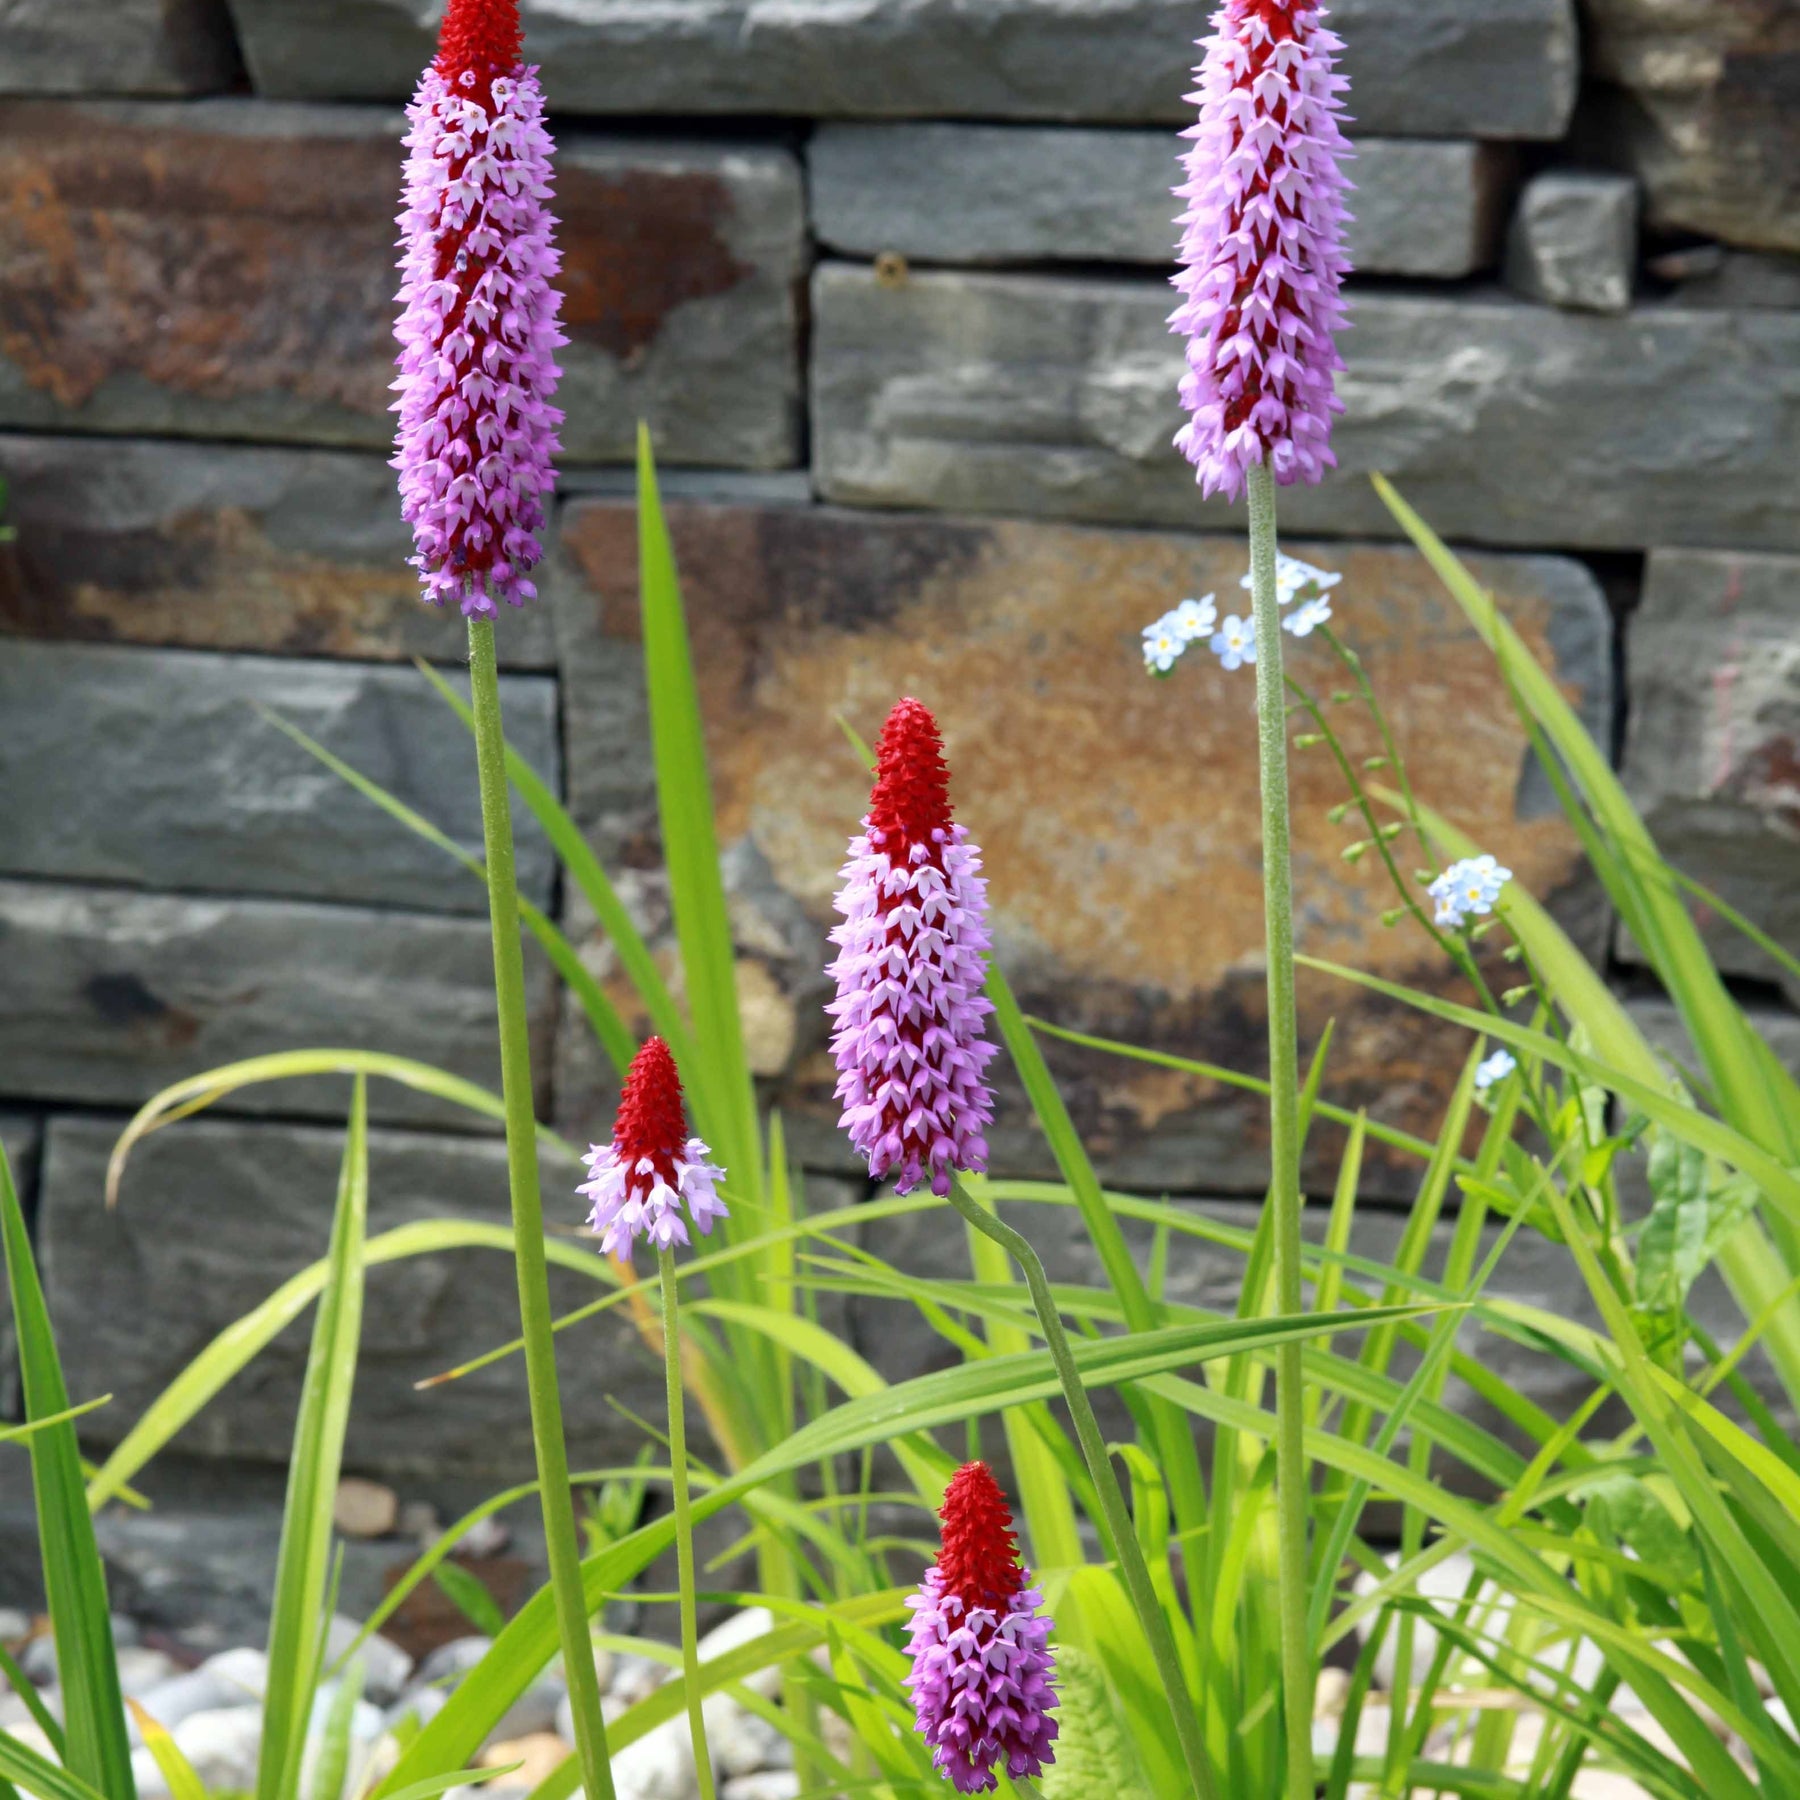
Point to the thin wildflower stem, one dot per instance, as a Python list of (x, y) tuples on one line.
[(1117, 1518), (684, 1523), (535, 1327), (1292, 1477)]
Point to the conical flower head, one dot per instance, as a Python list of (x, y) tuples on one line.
[(1262, 255), (477, 328), (640, 1182), (981, 1665), (910, 1039)]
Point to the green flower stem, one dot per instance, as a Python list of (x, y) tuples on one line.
[(1291, 1475), (684, 1524), (528, 1222), (1112, 1502)]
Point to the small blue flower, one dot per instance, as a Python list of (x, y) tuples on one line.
[(1307, 616), (1491, 1071), (1162, 645), (1468, 889), (1296, 580), (1193, 619), (1234, 643)]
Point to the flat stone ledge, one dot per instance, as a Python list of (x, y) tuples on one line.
[(116, 47), (261, 306), (160, 769), (1500, 422), (1712, 752), (996, 194), (1428, 68), (107, 996), (214, 1215), (1116, 814), (225, 547)]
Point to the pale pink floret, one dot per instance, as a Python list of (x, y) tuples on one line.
[(637, 1201), (1262, 255), (477, 435)]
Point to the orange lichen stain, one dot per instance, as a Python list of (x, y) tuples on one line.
[(1119, 816)]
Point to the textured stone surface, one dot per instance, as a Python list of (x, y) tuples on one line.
[(227, 269), (1016, 394), (1710, 275), (115, 46), (1573, 240), (214, 1215), (224, 547), (1445, 68), (155, 768), (21, 1134), (1012, 194), (1712, 753), (1117, 814), (1531, 1270), (106, 996), (1705, 107)]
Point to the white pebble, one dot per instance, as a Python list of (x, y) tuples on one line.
[(222, 1745), (771, 1784)]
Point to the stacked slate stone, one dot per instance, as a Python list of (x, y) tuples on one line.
[(889, 285)]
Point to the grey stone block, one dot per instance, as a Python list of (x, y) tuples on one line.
[(996, 194), (115, 47), (1573, 241), (1711, 275), (261, 307), (1705, 111), (107, 996), (224, 547), (1712, 751), (1500, 422), (21, 1136), (1443, 68), (215, 1215), (156, 768)]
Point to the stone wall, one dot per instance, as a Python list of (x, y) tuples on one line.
[(889, 286)]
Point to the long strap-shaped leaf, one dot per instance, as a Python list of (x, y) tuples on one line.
[(296, 1626), (98, 1751), (918, 1405)]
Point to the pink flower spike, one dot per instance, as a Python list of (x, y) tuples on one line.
[(910, 1040), (981, 1662), (640, 1182), (1262, 253), (477, 330)]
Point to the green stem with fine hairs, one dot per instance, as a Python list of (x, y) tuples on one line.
[(684, 1523), (528, 1222), (1291, 1475), (1130, 1553)]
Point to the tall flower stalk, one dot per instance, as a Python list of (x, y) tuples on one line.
[(912, 1052), (476, 441), (1262, 263), (640, 1184)]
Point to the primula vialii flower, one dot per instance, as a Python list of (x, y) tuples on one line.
[(1262, 255), (910, 1041), (477, 329), (652, 1168), (981, 1666)]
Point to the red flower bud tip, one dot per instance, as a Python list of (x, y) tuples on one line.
[(642, 1178), (911, 800), (979, 1561), (479, 35)]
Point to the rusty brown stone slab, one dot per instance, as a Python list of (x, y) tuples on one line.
[(226, 269), (1118, 814)]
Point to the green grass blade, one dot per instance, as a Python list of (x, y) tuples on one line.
[(38, 1775), (296, 1626), (194, 1093), (98, 1750), (333, 1762), (183, 1779), (690, 843)]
